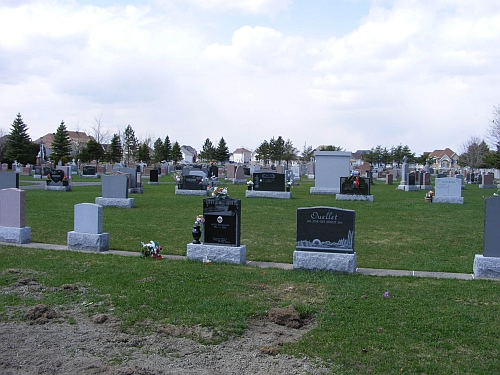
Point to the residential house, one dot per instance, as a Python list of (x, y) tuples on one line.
[(241, 155), (444, 159), (78, 141), (189, 154)]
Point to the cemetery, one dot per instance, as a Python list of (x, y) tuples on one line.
[(398, 231)]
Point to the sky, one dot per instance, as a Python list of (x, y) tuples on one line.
[(349, 73)]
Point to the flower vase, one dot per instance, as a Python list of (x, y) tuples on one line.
[(196, 234), (65, 183), (288, 189), (48, 182), (249, 187)]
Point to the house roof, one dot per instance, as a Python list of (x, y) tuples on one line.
[(241, 150), (188, 149), (75, 136), (439, 154)]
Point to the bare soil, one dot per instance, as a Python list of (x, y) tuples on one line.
[(62, 340)]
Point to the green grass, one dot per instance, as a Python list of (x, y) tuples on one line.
[(427, 326), (397, 231)]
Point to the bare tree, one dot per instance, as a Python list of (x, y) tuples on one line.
[(472, 153), (493, 131), (100, 135)]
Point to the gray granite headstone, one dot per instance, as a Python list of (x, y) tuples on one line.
[(115, 186), (9, 180), (88, 218), (491, 247)]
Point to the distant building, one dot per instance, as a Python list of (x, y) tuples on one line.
[(78, 141), (241, 155), (188, 154), (444, 159)]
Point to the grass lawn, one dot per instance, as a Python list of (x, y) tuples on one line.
[(426, 326)]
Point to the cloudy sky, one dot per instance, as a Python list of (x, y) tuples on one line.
[(351, 73)]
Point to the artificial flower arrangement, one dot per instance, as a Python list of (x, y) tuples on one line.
[(177, 177), (219, 193), (354, 179), (199, 220), (250, 183), (151, 249), (430, 194), (289, 183)]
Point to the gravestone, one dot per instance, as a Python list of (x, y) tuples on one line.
[(9, 180), (5, 167), (355, 188), (389, 179), (192, 182), (89, 171), (38, 171), (239, 178), (461, 177), (222, 221), (268, 181), (87, 234), (246, 172), (221, 234), (13, 227), (230, 170), (46, 171), (115, 192), (448, 190), (330, 166), (487, 182), (426, 181), (153, 177), (57, 180), (488, 263), (325, 239), (135, 185), (213, 171)]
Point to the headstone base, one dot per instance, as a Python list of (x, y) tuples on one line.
[(354, 197), (239, 182), (217, 254), (316, 190), (201, 193), (487, 186), (425, 187), (408, 187), (455, 200), (136, 190), (58, 188), (15, 235), (153, 183), (268, 194), (89, 175), (37, 176), (88, 241), (486, 266), (116, 202), (322, 261)]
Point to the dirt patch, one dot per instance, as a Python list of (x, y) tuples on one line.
[(67, 341)]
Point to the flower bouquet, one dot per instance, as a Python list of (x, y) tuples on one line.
[(219, 193), (199, 220), (151, 249)]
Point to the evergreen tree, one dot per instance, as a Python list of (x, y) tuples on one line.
[(277, 149), (92, 151), (115, 151), (307, 154), (19, 143), (176, 153), (61, 145), (158, 151), (262, 152), (208, 151), (143, 153), (167, 150), (130, 144), (222, 151), (290, 152)]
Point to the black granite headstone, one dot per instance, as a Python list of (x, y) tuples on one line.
[(348, 186), (222, 221), (153, 175), (89, 170), (246, 171), (192, 182), (325, 229), (411, 179), (268, 181), (213, 171), (46, 171), (57, 175), (38, 170)]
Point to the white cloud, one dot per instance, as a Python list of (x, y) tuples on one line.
[(257, 7)]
